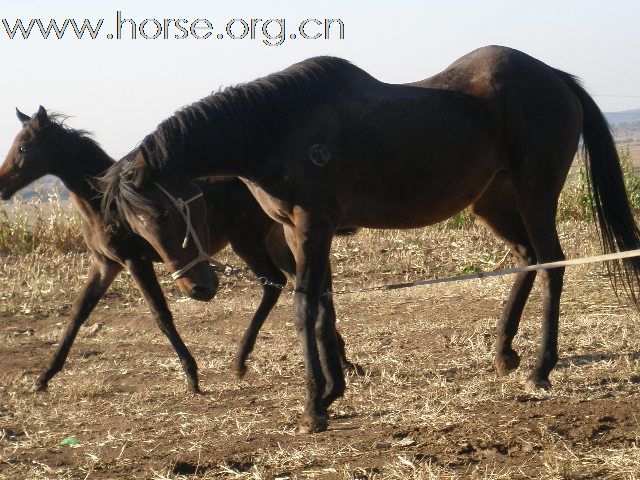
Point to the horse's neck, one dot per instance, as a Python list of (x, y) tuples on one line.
[(81, 165)]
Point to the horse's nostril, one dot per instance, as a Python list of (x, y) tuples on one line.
[(198, 290)]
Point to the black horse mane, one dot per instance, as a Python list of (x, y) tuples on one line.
[(239, 119), (56, 130), (118, 191), (233, 121)]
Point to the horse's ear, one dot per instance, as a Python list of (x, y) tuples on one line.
[(22, 116), (40, 117)]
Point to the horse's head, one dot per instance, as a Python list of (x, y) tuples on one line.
[(172, 217), (31, 155)]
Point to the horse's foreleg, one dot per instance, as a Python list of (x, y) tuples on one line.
[(257, 257), (101, 274), (270, 296), (316, 333), (347, 365), (331, 349), (145, 279)]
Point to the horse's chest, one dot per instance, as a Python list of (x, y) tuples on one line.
[(278, 209)]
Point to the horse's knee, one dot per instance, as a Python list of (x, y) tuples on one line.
[(323, 329), (306, 313), (300, 323)]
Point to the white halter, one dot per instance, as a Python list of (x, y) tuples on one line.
[(183, 207)]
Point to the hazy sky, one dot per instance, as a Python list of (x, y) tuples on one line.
[(121, 89)]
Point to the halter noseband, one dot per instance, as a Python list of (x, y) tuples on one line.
[(183, 207)]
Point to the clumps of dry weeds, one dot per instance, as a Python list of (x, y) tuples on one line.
[(42, 224)]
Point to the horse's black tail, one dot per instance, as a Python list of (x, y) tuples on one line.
[(618, 230)]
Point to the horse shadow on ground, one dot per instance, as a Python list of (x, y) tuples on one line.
[(578, 360)]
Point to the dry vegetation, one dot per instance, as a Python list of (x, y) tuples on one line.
[(429, 406)]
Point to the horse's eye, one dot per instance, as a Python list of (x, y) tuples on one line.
[(22, 149), (164, 216)]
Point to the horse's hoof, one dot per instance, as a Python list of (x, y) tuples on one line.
[(40, 386), (312, 424), (535, 385), (506, 363), (354, 369), (239, 371), (195, 389)]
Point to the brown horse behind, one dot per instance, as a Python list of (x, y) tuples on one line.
[(44, 146)]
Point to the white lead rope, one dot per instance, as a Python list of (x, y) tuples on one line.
[(507, 271), (183, 207)]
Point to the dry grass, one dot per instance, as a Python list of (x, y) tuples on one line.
[(425, 410), (430, 406), (42, 224)]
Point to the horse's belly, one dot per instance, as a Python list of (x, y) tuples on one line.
[(412, 201)]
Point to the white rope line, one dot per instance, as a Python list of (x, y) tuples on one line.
[(472, 276), (506, 271), (183, 207)]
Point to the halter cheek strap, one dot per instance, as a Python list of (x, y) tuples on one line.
[(183, 207)]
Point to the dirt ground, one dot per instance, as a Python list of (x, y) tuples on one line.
[(429, 406)]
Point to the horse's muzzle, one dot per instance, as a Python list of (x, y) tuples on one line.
[(204, 288), (202, 293)]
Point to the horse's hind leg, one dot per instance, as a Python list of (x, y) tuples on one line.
[(539, 218), (497, 210), (101, 275), (537, 188), (145, 279)]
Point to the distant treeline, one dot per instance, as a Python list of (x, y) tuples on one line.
[(628, 116)]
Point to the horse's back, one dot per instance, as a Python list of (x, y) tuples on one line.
[(519, 116), (539, 111)]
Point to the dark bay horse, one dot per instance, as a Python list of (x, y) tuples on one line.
[(324, 144), (45, 146)]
